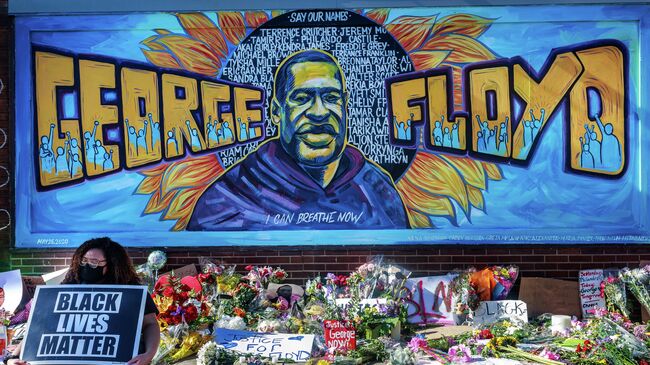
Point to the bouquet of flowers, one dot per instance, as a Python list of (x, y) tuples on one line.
[(464, 294), (179, 301), (390, 281), (505, 279), (613, 290), (363, 281), (211, 354), (638, 282), (261, 276)]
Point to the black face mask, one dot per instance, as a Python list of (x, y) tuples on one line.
[(88, 275)]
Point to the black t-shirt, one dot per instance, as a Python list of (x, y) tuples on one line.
[(150, 306)]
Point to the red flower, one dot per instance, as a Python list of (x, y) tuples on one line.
[(205, 278), (485, 334), (168, 292), (341, 280), (191, 314), (249, 268), (280, 274), (643, 362)]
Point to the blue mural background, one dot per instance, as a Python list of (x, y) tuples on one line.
[(538, 204)]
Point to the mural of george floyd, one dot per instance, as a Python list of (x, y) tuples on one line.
[(313, 139)]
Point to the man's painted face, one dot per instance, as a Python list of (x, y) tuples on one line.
[(312, 116)]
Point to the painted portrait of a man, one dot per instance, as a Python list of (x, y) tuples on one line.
[(309, 176)]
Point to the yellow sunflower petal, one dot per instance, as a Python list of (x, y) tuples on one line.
[(203, 29), (471, 170), (194, 55), (432, 173), (191, 172), (424, 202), (493, 171), (465, 24), (232, 24), (476, 197), (411, 31), (256, 18), (463, 49), (161, 59), (156, 204), (378, 15), (425, 60), (418, 220)]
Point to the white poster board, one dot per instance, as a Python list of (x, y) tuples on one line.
[(55, 277), (496, 310), (590, 297), (11, 286), (274, 345), (429, 299)]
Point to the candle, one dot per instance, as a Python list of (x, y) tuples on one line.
[(560, 323)]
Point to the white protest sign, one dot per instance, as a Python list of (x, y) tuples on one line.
[(56, 277), (429, 299), (274, 345), (11, 290), (590, 297), (493, 311)]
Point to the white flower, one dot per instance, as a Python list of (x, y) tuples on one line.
[(207, 353), (232, 323), (269, 325)]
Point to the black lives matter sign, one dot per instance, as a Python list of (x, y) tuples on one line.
[(83, 324)]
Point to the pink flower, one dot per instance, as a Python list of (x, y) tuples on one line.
[(549, 354), (460, 354), (417, 343)]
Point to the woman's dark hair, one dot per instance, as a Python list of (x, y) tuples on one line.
[(119, 266)]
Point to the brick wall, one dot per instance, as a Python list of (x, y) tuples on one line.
[(543, 261), (301, 263), (6, 144)]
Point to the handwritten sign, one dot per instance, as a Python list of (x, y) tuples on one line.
[(429, 299), (83, 324), (496, 310), (340, 335), (274, 345), (590, 297)]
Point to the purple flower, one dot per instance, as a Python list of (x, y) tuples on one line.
[(639, 332), (460, 354), (331, 276)]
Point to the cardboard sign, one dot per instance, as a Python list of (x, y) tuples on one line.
[(541, 296), (340, 335), (274, 345), (84, 324), (429, 299), (181, 272), (590, 297), (496, 310), (11, 290)]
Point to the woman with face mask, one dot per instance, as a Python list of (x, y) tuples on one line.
[(103, 261)]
